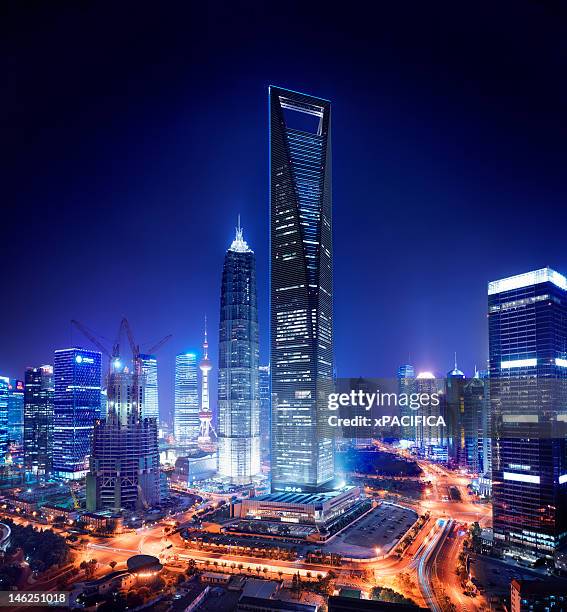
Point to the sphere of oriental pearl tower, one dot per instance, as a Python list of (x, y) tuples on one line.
[(205, 414)]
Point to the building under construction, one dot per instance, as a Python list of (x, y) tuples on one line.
[(124, 464)]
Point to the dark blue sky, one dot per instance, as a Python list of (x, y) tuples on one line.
[(134, 135)]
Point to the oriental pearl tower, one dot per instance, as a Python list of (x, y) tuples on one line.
[(205, 415)]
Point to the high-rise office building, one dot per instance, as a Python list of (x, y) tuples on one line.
[(238, 395), (301, 290), (124, 464), (186, 422), (38, 420), (4, 400), (265, 397), (148, 366), (471, 433), (76, 405), (103, 403), (407, 386), (16, 421), (527, 317), (431, 437), (455, 415)]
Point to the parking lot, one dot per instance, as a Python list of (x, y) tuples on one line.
[(375, 534)]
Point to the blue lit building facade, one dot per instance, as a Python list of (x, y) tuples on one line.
[(301, 290), (38, 420), (238, 393), (76, 405), (4, 399), (148, 366), (528, 374), (407, 385), (16, 421), (186, 423), (265, 397)]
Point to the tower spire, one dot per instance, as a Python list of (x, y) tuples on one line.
[(239, 244), (205, 414), (205, 342), (455, 360)]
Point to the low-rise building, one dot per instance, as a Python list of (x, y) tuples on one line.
[(193, 468), (292, 507)]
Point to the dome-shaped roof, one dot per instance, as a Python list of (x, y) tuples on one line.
[(456, 372), (426, 376)]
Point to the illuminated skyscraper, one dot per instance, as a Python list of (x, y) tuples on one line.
[(76, 404), (38, 420), (265, 413), (16, 420), (186, 415), (455, 416), (4, 399), (527, 317), (407, 385), (301, 290), (431, 438), (124, 464), (238, 400), (148, 366)]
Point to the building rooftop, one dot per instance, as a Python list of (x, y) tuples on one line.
[(262, 603), (544, 275), (550, 587), (138, 563), (254, 587), (291, 497)]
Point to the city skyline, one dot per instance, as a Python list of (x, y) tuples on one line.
[(438, 160), (374, 411)]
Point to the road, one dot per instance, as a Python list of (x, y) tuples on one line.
[(432, 556)]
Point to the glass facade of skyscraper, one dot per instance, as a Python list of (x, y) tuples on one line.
[(76, 405), (407, 385), (16, 421), (238, 394), (4, 399), (148, 364), (528, 373), (265, 396), (301, 290), (186, 415), (38, 420)]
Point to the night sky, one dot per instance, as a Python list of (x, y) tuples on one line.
[(133, 136)]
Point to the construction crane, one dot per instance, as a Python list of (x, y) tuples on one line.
[(136, 355), (115, 354)]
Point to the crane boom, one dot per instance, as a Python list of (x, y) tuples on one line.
[(91, 337), (157, 346)]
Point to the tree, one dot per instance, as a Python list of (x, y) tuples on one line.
[(134, 599)]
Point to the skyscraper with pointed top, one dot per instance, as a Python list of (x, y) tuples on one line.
[(301, 290), (238, 396), (205, 415)]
